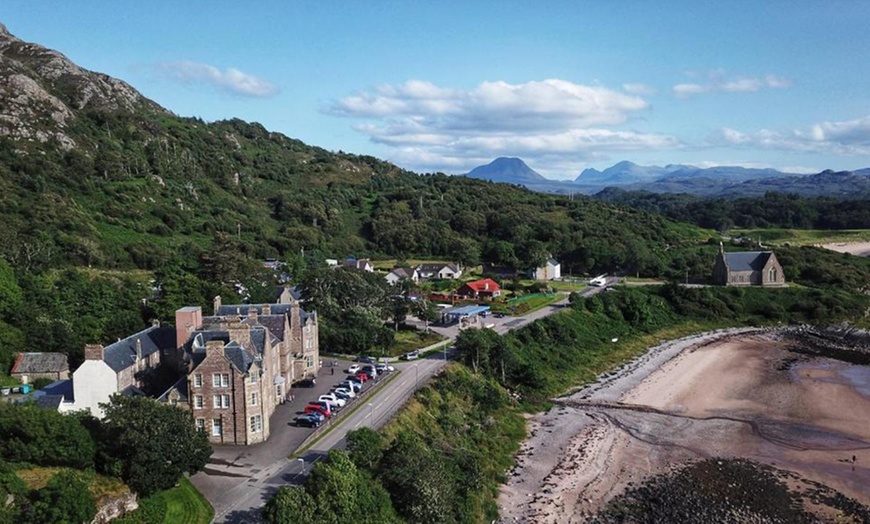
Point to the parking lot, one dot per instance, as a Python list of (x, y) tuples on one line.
[(229, 464)]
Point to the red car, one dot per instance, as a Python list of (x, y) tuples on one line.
[(318, 408), (362, 376)]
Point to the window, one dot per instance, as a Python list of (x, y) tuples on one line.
[(309, 361), (256, 424), (221, 401), (254, 399), (197, 402), (772, 273), (200, 424), (220, 380), (216, 427), (255, 375), (197, 380)]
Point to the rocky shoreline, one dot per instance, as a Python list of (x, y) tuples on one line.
[(729, 393)]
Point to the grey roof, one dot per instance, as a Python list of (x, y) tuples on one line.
[(122, 354), (52, 395), (274, 323), (180, 386), (40, 363), (48, 401), (747, 260), (295, 292), (239, 356), (241, 310), (435, 268), (403, 272), (553, 262)]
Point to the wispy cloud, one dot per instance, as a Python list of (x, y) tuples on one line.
[(718, 82), (230, 80), (845, 137), (547, 122), (639, 89)]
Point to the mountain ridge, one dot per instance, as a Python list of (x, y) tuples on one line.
[(507, 169)]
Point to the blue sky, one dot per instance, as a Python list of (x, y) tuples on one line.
[(446, 86)]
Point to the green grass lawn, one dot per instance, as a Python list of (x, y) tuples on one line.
[(406, 341), (800, 237), (182, 504)]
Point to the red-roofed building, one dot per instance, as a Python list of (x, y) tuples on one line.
[(486, 288)]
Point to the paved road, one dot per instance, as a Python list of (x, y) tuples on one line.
[(240, 479)]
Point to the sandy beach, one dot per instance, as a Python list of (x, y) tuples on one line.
[(736, 393), (861, 249)]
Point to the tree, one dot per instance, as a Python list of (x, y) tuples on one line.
[(291, 505), (46, 438), (398, 310), (150, 445), (65, 498), (425, 311), (364, 447)]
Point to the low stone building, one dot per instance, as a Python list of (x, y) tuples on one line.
[(747, 268), (31, 366)]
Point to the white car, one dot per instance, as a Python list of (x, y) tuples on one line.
[(351, 385), (349, 392), (353, 369), (332, 399)]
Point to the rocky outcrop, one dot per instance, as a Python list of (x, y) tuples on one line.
[(111, 508), (41, 90)]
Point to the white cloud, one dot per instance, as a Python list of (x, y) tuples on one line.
[(230, 80), (639, 89), (434, 127), (847, 138), (718, 82)]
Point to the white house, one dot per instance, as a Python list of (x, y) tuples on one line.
[(403, 273), (127, 366), (552, 270), (363, 264), (439, 271)]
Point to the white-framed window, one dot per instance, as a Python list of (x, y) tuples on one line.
[(200, 424), (255, 399), (256, 424), (255, 376), (216, 427), (220, 380), (221, 401), (197, 380), (309, 361), (198, 402)]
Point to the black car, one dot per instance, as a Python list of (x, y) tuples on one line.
[(365, 360), (308, 421), (306, 383)]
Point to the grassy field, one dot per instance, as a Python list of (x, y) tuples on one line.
[(406, 341), (802, 237), (182, 504)]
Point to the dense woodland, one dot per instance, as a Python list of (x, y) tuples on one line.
[(773, 210)]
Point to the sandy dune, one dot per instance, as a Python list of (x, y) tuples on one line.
[(736, 393), (861, 249)]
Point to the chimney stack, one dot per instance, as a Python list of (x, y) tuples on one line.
[(94, 352), (187, 320), (138, 349), (217, 305), (214, 346), (267, 309), (252, 313)]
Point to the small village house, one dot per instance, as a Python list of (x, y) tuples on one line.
[(439, 271), (400, 274), (485, 289), (551, 270)]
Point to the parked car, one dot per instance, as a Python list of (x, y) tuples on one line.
[(310, 420), (412, 355), (350, 384), (348, 393), (363, 376), (498, 315), (370, 370), (384, 368), (324, 410), (353, 368), (366, 360), (306, 383), (329, 397), (341, 394)]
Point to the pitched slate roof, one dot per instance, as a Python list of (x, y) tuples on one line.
[(241, 310), (295, 292), (241, 357), (122, 354), (40, 363), (747, 260), (180, 386), (403, 272)]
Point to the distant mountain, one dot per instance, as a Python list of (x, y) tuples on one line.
[(624, 173), (509, 170)]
